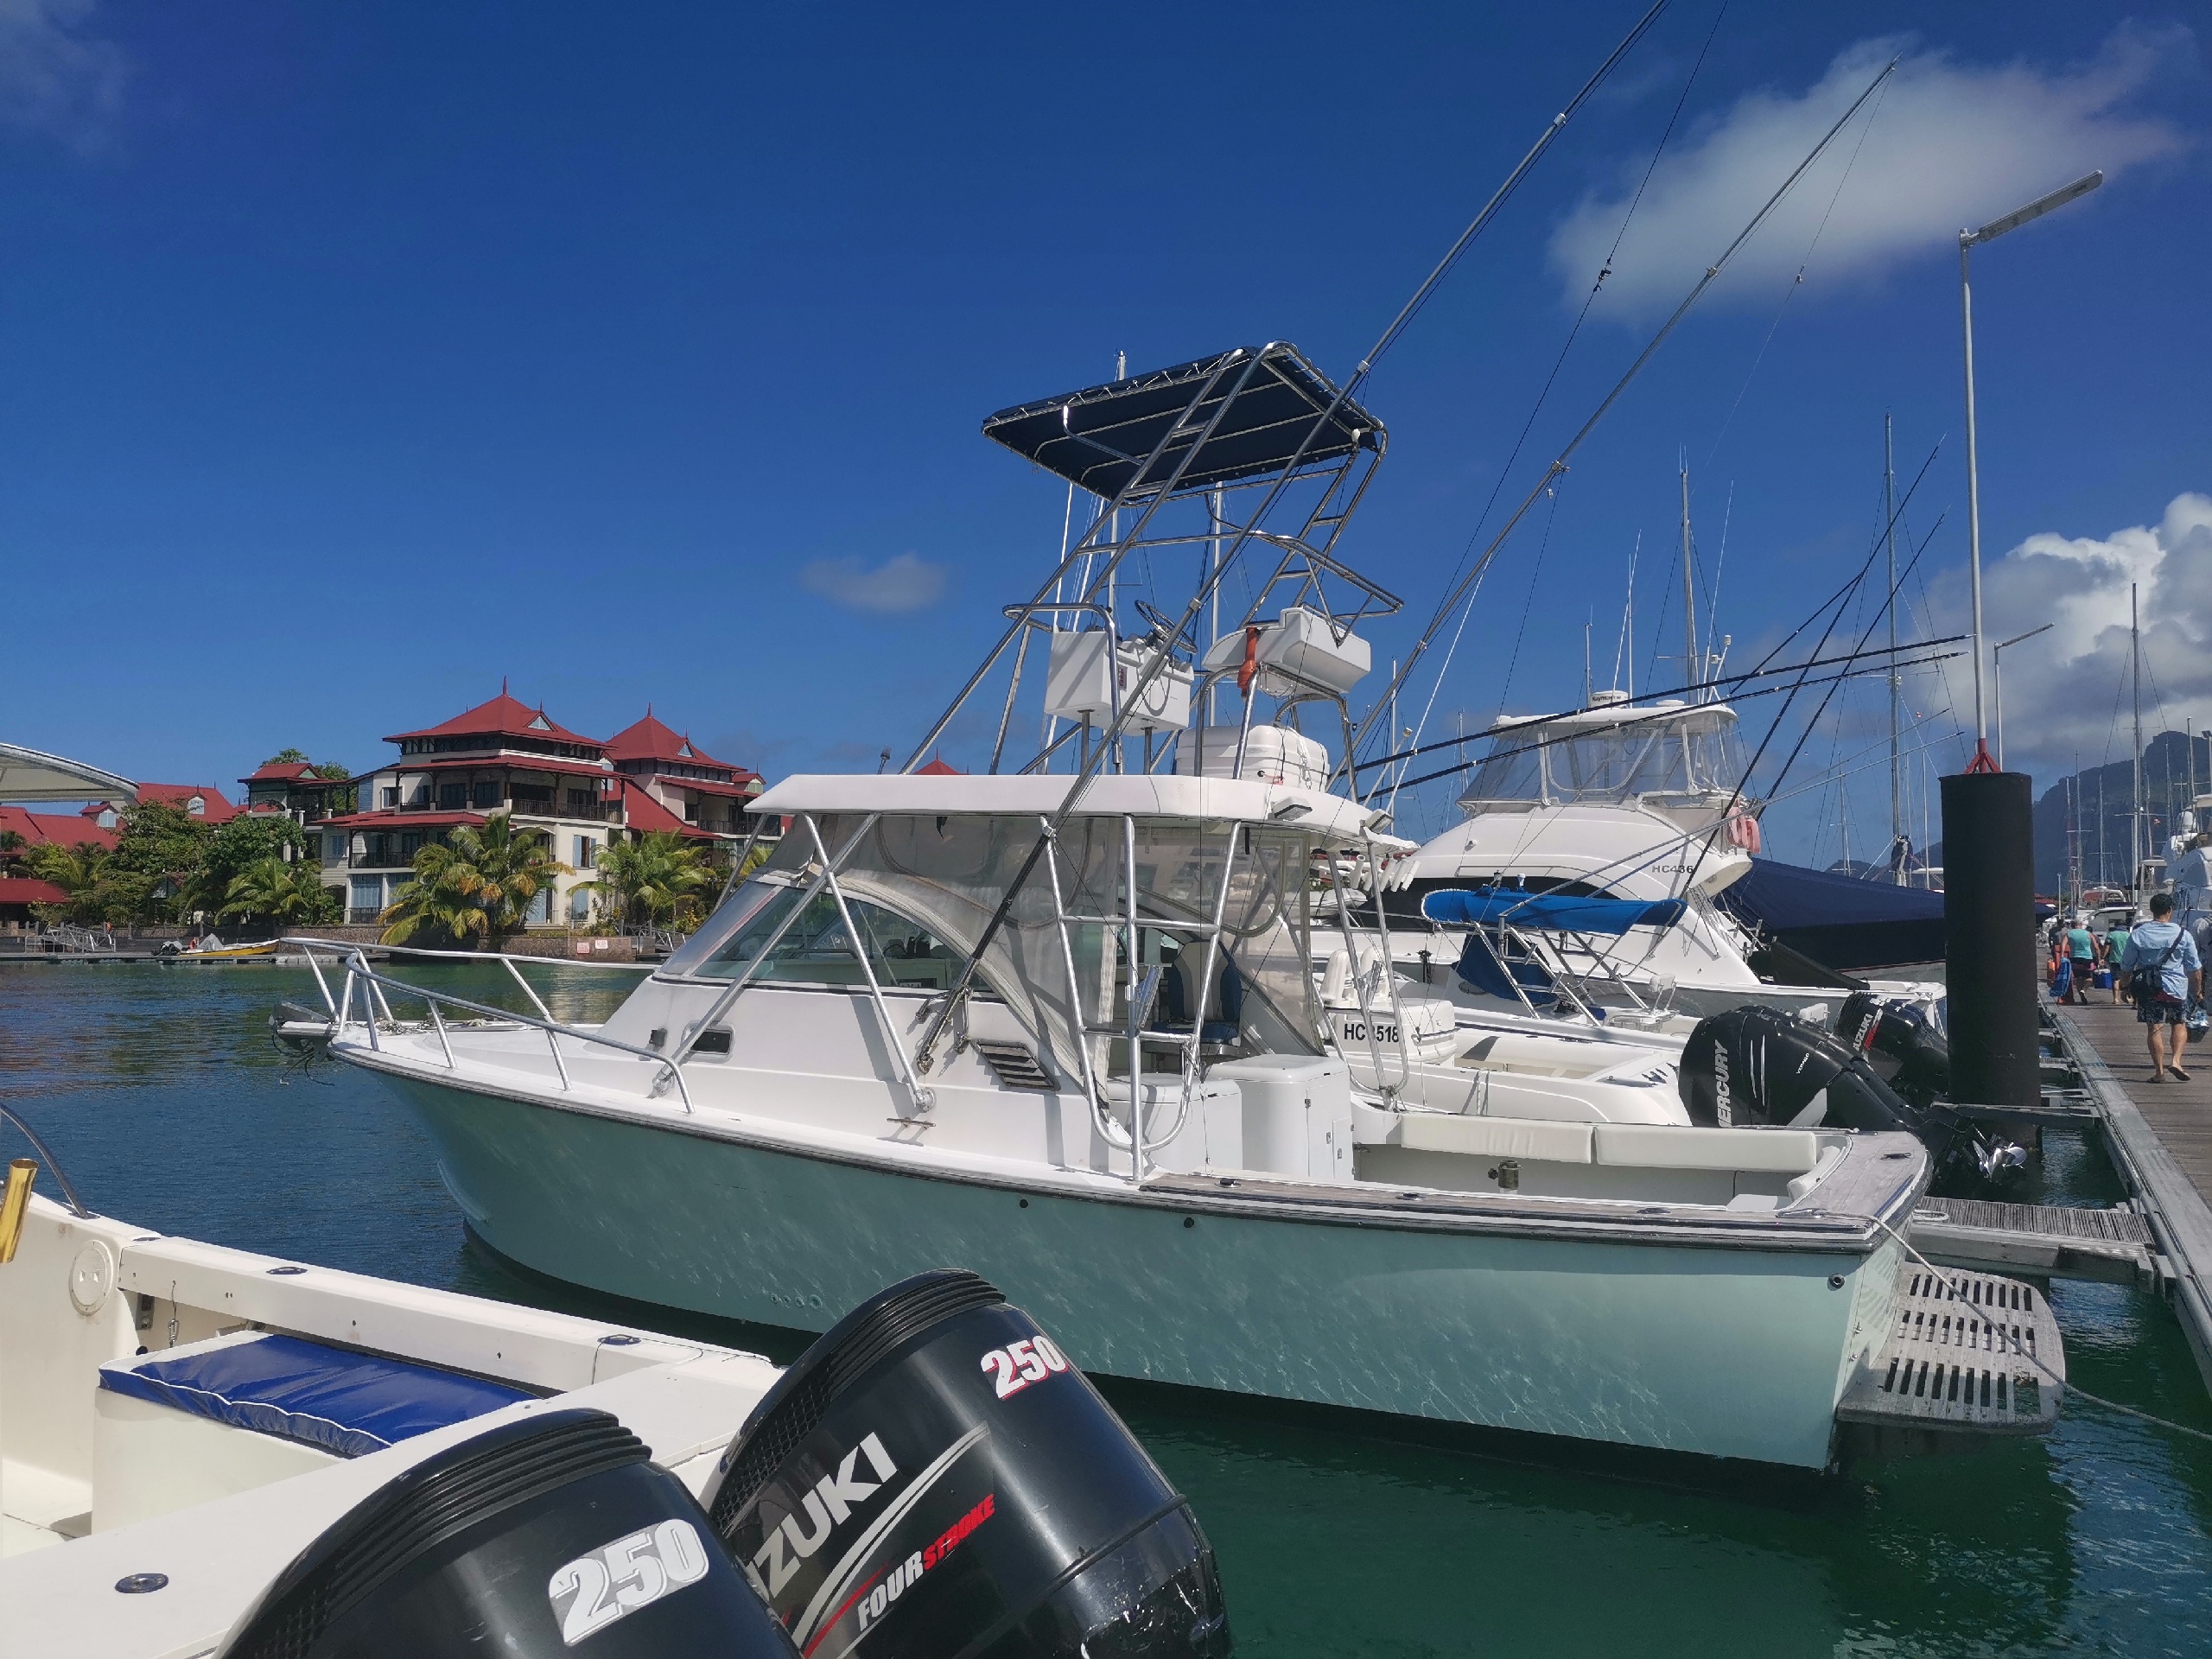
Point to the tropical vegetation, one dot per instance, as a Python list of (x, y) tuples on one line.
[(659, 879), (475, 887), (285, 895)]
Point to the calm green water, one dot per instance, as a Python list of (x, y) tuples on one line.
[(163, 1093)]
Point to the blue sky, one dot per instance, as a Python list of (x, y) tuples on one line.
[(357, 357)]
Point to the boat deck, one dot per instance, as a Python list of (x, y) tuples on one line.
[(2160, 1135)]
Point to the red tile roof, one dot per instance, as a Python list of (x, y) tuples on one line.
[(288, 772), (218, 809), (936, 768), (28, 890), (649, 740), (504, 716), (512, 762), (61, 830), (642, 813)]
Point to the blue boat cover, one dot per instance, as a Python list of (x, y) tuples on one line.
[(345, 1404), (1843, 922), (1481, 967), (1549, 912)]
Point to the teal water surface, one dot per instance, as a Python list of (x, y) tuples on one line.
[(163, 1094)]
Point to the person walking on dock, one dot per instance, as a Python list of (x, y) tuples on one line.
[(2115, 948), (2165, 976), (2081, 950)]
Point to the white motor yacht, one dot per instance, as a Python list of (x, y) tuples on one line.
[(1617, 801), (1058, 1023)]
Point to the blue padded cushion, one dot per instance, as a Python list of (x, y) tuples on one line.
[(345, 1404)]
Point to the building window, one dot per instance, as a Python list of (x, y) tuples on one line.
[(583, 800), (453, 796), (389, 796), (366, 898), (485, 792), (197, 806), (334, 849), (541, 907), (409, 844), (587, 851), (691, 811), (578, 905)]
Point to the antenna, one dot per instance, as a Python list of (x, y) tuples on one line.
[(1693, 674), (1897, 679)]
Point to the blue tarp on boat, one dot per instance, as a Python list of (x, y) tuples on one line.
[(1550, 912), (1842, 922), (346, 1403)]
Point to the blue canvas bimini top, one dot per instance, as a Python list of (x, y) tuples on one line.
[(345, 1404), (1547, 912)]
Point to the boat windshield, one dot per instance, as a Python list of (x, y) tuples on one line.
[(920, 891), (1695, 753)]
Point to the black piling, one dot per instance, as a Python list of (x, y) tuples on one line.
[(1989, 944)]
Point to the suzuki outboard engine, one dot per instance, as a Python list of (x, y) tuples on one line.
[(521, 1542), (933, 1478), (1902, 1042), (1752, 1065)]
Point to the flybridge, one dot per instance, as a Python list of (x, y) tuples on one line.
[(1249, 461)]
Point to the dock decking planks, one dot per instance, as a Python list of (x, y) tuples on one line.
[(2161, 1134)]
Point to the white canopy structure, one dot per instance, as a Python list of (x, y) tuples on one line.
[(26, 775)]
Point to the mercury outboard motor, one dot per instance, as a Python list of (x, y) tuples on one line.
[(522, 1542), (933, 1478), (1901, 1039), (1754, 1065)]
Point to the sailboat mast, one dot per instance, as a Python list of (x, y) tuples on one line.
[(1695, 675), (1896, 763), (2135, 659)]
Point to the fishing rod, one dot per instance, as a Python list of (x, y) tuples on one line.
[(1559, 463), (1765, 691), (1633, 716)]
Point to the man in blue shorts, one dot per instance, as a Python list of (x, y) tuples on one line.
[(2165, 975)]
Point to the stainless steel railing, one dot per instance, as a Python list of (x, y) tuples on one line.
[(373, 998)]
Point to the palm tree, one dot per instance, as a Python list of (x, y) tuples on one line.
[(659, 874), (77, 871), (280, 893), (477, 884)]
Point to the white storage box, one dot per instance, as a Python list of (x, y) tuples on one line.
[(1273, 754), (1299, 651), (1297, 1112), (1083, 681)]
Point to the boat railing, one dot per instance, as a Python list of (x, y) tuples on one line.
[(68, 1188), (376, 1013)]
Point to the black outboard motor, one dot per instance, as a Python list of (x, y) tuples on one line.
[(520, 1542), (1902, 1039), (934, 1478), (1752, 1065)]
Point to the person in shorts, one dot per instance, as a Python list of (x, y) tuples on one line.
[(2115, 944), (2081, 948), (2165, 975)]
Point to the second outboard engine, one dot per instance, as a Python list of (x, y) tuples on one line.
[(522, 1541), (932, 1477), (1901, 1039), (1753, 1065)]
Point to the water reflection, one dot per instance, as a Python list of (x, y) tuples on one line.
[(161, 1089)]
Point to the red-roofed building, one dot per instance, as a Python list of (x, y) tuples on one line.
[(937, 768), (700, 797), (19, 890), (295, 788), (202, 801)]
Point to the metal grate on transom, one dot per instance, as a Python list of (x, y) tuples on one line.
[(1965, 1350), (1014, 1066)]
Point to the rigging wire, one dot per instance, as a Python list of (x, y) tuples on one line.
[(1797, 282), (1528, 604), (1620, 387)]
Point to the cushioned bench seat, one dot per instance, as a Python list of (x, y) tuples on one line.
[(341, 1403), (1670, 1146), (1538, 1139)]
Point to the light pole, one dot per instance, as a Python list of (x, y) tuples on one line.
[(1996, 678), (1990, 232)]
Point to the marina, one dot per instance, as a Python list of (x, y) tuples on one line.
[(2108, 1520), (1051, 1015)]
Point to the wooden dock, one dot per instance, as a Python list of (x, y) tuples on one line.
[(2159, 1134)]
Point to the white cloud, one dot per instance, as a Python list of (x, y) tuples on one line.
[(2061, 688), (898, 585), (1950, 144), (53, 78)]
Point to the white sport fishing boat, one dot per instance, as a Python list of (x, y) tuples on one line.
[(1620, 801), (208, 1452), (1059, 1022)]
